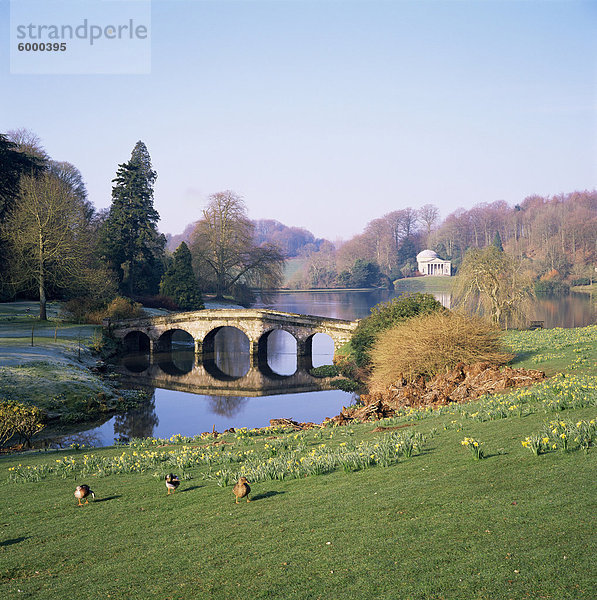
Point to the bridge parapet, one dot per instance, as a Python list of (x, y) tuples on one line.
[(256, 324)]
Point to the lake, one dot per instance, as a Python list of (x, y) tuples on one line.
[(190, 398)]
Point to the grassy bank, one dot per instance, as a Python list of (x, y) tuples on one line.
[(436, 525), (424, 284), (587, 289), (555, 350), (48, 364)]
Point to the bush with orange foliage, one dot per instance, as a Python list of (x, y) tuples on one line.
[(434, 343)]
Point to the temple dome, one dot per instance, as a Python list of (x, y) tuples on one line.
[(426, 255)]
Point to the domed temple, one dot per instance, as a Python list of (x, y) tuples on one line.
[(429, 263)]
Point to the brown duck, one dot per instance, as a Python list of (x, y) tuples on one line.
[(242, 489), (83, 491)]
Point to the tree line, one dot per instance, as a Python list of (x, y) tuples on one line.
[(54, 244), (553, 238)]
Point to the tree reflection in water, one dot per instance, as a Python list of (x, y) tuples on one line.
[(137, 423), (226, 406)]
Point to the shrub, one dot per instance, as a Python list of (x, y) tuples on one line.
[(19, 419), (581, 281), (81, 309), (432, 344), (386, 315), (7, 420), (158, 301), (325, 371), (552, 286), (124, 308)]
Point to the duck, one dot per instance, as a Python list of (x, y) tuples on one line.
[(172, 482), (83, 491), (242, 489)]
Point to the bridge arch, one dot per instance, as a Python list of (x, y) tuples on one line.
[(225, 353), (136, 341), (171, 338), (324, 345), (277, 353)]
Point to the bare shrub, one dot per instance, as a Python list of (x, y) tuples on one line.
[(434, 343), (119, 308)]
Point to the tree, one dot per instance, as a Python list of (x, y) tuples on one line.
[(497, 241), (364, 273), (48, 235), (225, 253), (179, 281), (428, 215), (130, 241), (14, 163), (493, 283)]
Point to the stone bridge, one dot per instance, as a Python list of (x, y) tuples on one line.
[(155, 334)]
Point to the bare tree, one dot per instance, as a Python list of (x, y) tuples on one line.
[(28, 142), (428, 215), (494, 283), (48, 235), (224, 249)]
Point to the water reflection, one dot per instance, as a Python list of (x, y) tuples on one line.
[(572, 310), (227, 406), (229, 354), (207, 378), (137, 423)]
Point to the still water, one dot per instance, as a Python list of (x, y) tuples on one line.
[(189, 398)]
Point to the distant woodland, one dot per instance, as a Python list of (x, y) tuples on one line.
[(555, 237), (54, 244)]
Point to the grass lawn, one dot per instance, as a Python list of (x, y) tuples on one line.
[(424, 284), (555, 350), (436, 525)]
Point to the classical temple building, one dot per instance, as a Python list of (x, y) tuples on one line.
[(429, 263)]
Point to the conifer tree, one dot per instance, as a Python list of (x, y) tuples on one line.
[(179, 281), (130, 241)]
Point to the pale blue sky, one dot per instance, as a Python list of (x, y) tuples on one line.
[(327, 114)]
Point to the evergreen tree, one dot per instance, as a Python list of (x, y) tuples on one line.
[(179, 281), (364, 273), (130, 241), (497, 241)]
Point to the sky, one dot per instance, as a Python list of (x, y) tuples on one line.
[(326, 114)]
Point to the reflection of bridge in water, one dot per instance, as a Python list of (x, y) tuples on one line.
[(181, 371)]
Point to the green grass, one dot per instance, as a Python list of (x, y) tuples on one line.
[(437, 525), (424, 284), (51, 370), (589, 289), (555, 350)]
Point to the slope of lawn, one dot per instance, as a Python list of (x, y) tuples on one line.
[(353, 516), (555, 350), (430, 283)]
